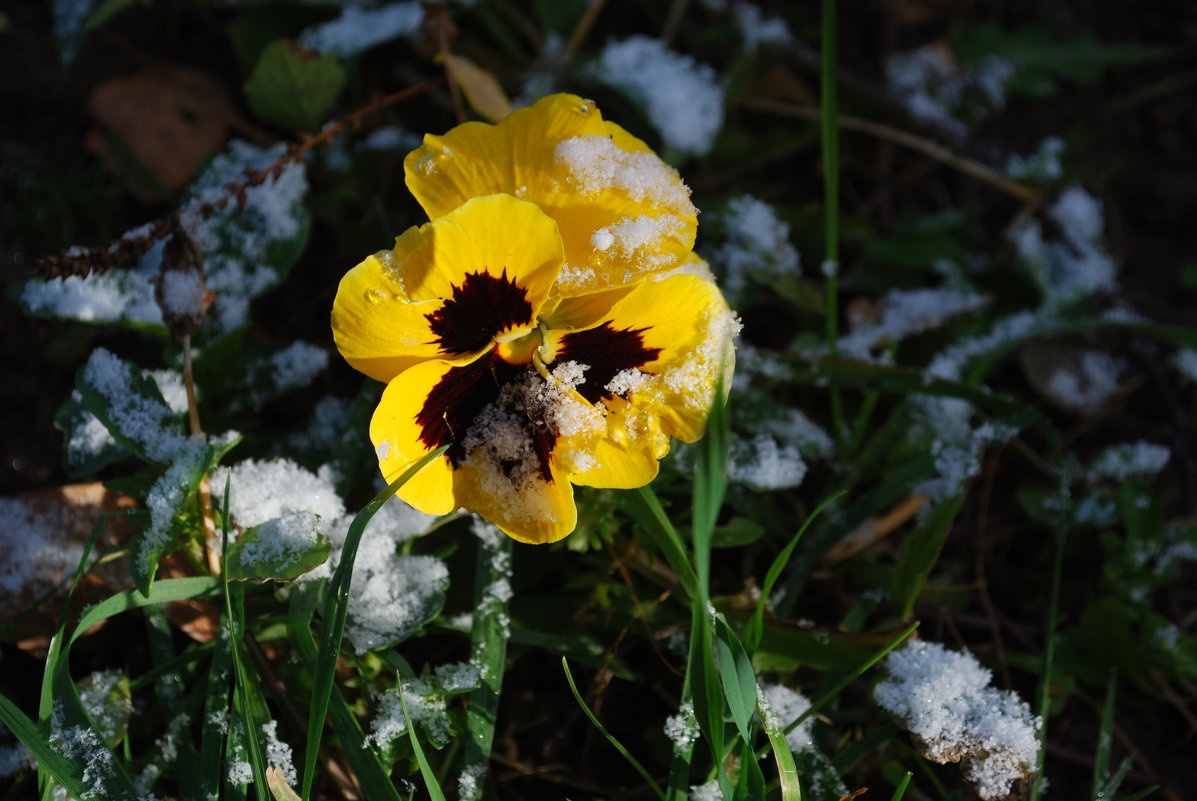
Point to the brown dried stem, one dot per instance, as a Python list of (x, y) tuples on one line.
[(975, 169)]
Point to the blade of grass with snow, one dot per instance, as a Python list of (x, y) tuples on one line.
[(246, 694), (373, 777), (488, 650), (430, 781), (335, 613), (64, 770)]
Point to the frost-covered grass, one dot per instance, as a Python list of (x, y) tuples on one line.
[(939, 543)]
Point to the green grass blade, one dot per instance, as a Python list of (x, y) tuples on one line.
[(248, 708), (335, 613), (737, 676), (900, 790), (1115, 781), (363, 760), (216, 712), (919, 553), (434, 787), (1043, 696), (787, 771), (67, 772), (710, 484), (1139, 796), (1105, 741), (488, 650), (755, 628), (656, 524), (163, 592), (569, 677)]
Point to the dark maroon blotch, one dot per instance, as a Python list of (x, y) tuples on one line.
[(608, 351), (480, 308)]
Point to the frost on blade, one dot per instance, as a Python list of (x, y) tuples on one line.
[(1040, 167), (682, 98), (756, 29), (88, 443), (427, 704), (944, 699), (785, 706), (937, 88), (246, 250), (116, 296), (682, 729), (359, 28), (131, 407), (278, 753), (757, 244), (261, 490), (1122, 462), (1074, 264), (761, 464), (274, 376), (903, 313), (282, 548)]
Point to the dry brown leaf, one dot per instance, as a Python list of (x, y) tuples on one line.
[(195, 617), (777, 82), (874, 530), (482, 90), (169, 119)]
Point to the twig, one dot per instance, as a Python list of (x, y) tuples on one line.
[(83, 261), (581, 30), (970, 167)]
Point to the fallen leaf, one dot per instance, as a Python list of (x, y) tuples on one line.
[(156, 126), (482, 90)]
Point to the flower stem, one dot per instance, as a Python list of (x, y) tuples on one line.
[(211, 545), (831, 200)]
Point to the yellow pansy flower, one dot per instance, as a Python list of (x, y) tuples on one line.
[(531, 393), (623, 213)]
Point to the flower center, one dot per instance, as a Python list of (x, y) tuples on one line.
[(520, 349)]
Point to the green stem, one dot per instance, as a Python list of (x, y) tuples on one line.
[(829, 130), (488, 648)]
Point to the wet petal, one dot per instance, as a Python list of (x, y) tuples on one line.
[(627, 457), (415, 417), (376, 328), (622, 211), (448, 289), (519, 453), (664, 347)]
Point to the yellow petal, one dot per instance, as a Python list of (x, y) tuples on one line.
[(627, 457), (520, 452), (622, 212), (497, 235), (665, 346), (375, 327), (533, 510), (449, 289), (400, 440)]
